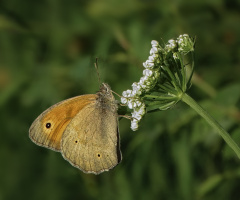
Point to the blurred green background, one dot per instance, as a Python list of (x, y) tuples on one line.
[(47, 54)]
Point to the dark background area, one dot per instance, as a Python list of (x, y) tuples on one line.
[(47, 54)]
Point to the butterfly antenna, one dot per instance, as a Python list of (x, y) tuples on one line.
[(127, 117), (117, 94), (96, 67)]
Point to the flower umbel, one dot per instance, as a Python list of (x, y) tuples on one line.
[(164, 79)]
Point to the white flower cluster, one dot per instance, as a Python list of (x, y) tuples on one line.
[(185, 43), (133, 101), (171, 45), (151, 74), (132, 98), (182, 44)]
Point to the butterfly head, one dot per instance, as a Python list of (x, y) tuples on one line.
[(106, 97), (105, 90)]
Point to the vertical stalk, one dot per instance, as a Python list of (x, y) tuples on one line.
[(212, 122)]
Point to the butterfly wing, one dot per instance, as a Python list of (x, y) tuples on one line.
[(91, 140), (48, 128)]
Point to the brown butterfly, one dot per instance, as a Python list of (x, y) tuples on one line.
[(84, 129)]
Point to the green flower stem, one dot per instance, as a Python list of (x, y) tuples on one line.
[(212, 122), (160, 98), (172, 77)]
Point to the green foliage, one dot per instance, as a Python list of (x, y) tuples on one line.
[(47, 54)]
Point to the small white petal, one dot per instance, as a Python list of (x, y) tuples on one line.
[(134, 124), (136, 115), (134, 104), (135, 86), (142, 80), (145, 64), (139, 103), (151, 58), (149, 65), (175, 56), (142, 109), (147, 72), (137, 90), (124, 100), (124, 93), (153, 50), (130, 105), (154, 43), (129, 93), (134, 92), (180, 41)]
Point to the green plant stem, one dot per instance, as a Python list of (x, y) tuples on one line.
[(160, 98), (212, 122)]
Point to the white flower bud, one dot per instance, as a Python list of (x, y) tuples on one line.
[(153, 50), (175, 56), (148, 64), (136, 115), (139, 103), (185, 44), (139, 112), (137, 90), (129, 93), (142, 81), (135, 86), (124, 93), (130, 104), (124, 100), (147, 72), (134, 125), (151, 59), (145, 65), (154, 43)]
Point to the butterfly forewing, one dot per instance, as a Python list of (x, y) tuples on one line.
[(48, 128)]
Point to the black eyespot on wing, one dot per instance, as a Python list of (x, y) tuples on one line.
[(76, 141), (99, 155), (48, 125)]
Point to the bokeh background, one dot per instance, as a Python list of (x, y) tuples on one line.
[(47, 54)]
